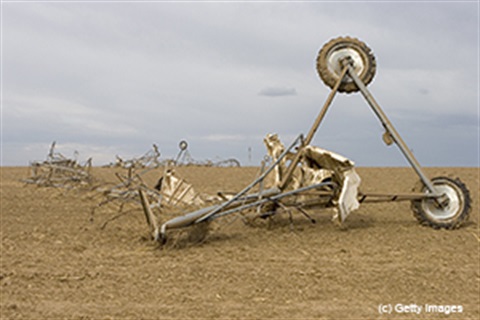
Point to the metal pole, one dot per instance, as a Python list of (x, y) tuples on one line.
[(313, 130), (389, 127), (259, 179), (273, 198)]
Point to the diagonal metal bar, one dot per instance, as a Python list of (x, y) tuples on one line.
[(241, 193), (313, 130), (272, 198), (390, 128)]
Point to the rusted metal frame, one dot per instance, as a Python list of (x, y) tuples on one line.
[(249, 187), (390, 129), (313, 130)]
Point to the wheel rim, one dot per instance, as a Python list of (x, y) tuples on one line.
[(335, 57), (447, 212)]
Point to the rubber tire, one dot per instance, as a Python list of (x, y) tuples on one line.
[(330, 79), (461, 215)]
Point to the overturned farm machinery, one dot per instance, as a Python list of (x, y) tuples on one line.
[(60, 171), (303, 177)]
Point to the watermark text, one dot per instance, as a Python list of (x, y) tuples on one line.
[(413, 308)]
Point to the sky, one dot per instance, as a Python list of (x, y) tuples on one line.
[(107, 78)]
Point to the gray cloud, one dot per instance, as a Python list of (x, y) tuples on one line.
[(277, 92), (113, 78)]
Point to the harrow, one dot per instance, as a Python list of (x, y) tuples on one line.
[(307, 177)]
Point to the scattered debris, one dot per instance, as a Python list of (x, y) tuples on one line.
[(172, 194), (149, 160), (185, 159), (169, 193), (60, 172), (123, 195)]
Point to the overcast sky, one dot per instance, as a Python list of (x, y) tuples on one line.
[(112, 78)]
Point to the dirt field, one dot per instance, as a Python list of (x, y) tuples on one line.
[(58, 263)]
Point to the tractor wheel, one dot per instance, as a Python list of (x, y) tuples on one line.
[(329, 62), (449, 216)]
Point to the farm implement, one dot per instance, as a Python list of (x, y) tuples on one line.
[(302, 177)]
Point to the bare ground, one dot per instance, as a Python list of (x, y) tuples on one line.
[(57, 262)]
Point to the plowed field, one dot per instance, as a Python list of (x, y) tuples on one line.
[(57, 262)]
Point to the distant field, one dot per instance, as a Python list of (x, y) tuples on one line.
[(57, 262)]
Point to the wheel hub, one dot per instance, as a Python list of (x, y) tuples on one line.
[(446, 211), (334, 61)]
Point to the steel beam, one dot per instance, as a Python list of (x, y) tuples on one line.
[(288, 174), (390, 128)]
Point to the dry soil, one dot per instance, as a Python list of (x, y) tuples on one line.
[(57, 261)]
